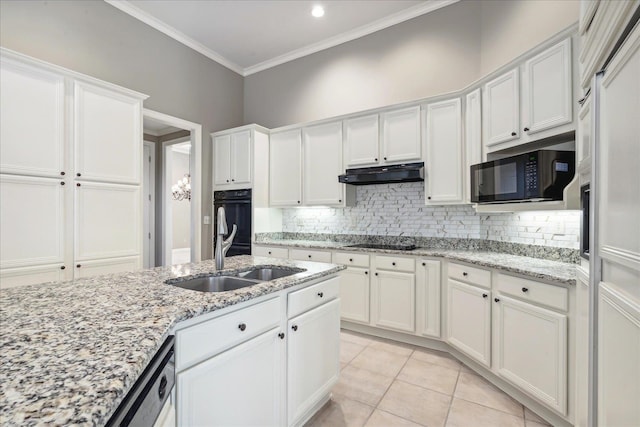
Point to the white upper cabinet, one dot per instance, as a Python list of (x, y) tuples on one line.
[(232, 160), (443, 152), (285, 168), (32, 121), (547, 89), (400, 130), (361, 143), (322, 145), (502, 108), (472, 138), (107, 135)]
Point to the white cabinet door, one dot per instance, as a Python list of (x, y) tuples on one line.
[(582, 348), (107, 135), (394, 300), (531, 350), (107, 221), (428, 298), (354, 295), (222, 160), (241, 157), (322, 146), (472, 138), (469, 320), (32, 221), (313, 358), (547, 89), (618, 358), (285, 174), (583, 137), (105, 266), (502, 109), (401, 135), (13, 277), (241, 387), (31, 121), (443, 151), (362, 136)]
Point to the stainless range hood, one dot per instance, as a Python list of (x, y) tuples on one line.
[(408, 172)]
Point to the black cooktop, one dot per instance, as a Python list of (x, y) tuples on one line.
[(387, 247)]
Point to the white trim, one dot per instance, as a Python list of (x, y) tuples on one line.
[(196, 176), (396, 18), (356, 33), (152, 210), (154, 22)]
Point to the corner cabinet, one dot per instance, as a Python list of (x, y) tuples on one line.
[(285, 168), (443, 152), (64, 133)]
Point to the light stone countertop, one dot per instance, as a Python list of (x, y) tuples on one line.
[(534, 268), (70, 351)]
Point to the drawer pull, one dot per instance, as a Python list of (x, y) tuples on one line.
[(465, 274), (525, 289), (320, 294), (424, 264), (484, 295), (496, 299), (61, 182), (376, 274), (366, 272), (62, 267), (281, 335), (242, 326), (350, 259), (393, 263), (294, 327), (309, 256), (78, 265), (269, 252), (513, 134)]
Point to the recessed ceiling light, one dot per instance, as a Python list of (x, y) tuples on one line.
[(317, 11)]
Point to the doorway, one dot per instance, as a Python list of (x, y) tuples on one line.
[(173, 193)]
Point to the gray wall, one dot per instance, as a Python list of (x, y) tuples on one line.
[(94, 38), (429, 55)]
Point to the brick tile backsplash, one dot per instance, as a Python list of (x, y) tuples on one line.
[(399, 210)]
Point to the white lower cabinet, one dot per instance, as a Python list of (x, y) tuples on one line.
[(531, 349), (105, 266), (428, 298), (242, 386), (394, 300), (354, 295), (469, 320), (313, 359)]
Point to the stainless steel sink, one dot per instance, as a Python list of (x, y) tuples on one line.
[(266, 274), (215, 283)]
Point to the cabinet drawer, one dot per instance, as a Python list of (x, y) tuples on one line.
[(313, 296), (270, 251), (351, 260), (528, 290), (309, 255), (473, 275), (395, 263), (209, 338)]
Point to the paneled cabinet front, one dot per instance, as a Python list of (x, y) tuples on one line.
[(322, 147), (394, 300), (361, 143), (285, 168), (502, 108), (232, 159), (400, 133)]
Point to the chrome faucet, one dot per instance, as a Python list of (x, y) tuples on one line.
[(222, 246)]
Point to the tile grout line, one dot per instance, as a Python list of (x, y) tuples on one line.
[(446, 420)]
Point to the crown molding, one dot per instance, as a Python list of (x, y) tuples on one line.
[(150, 20), (396, 18), (381, 24)]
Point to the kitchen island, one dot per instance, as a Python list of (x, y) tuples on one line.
[(70, 351)]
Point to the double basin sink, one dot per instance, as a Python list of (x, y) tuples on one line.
[(233, 281)]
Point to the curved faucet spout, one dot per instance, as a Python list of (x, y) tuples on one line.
[(227, 243), (222, 246)]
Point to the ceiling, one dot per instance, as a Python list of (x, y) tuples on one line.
[(157, 128), (253, 35)]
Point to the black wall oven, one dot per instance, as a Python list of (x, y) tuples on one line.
[(237, 206)]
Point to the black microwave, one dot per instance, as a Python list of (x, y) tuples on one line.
[(536, 176)]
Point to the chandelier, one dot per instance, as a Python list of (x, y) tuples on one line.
[(182, 190)]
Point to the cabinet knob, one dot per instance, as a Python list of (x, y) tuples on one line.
[(339, 200), (78, 174), (424, 264), (393, 263), (484, 295), (62, 173), (281, 335), (496, 299), (375, 273), (294, 327), (366, 272), (227, 180), (269, 252), (242, 326), (428, 197), (298, 201), (385, 158), (526, 129), (233, 180), (61, 182), (525, 289), (309, 256), (464, 273), (513, 134), (78, 185), (78, 265), (62, 267), (350, 259), (162, 389), (376, 159), (320, 294)]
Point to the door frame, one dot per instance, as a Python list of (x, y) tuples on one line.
[(152, 210), (196, 181)]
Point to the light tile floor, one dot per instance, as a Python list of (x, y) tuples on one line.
[(387, 384)]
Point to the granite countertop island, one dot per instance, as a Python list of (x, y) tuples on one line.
[(532, 267), (70, 351)]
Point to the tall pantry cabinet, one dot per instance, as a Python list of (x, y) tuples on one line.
[(70, 174)]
